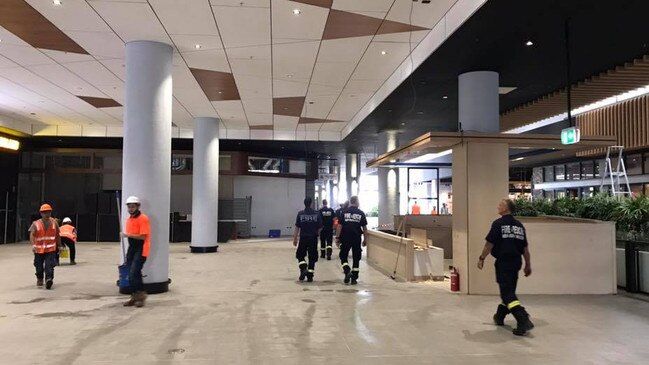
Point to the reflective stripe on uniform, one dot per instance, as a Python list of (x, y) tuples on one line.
[(302, 263), (345, 264), (330, 246), (513, 304), (311, 270), (356, 269)]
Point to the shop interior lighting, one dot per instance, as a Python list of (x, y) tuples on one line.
[(57, 2), (581, 110), (429, 157), (297, 11), (10, 144), (529, 43)]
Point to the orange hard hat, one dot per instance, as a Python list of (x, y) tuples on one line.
[(46, 208)]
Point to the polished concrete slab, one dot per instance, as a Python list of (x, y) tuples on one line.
[(244, 305)]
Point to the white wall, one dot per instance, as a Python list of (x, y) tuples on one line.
[(275, 201)]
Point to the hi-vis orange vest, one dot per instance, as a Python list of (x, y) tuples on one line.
[(68, 231), (45, 241)]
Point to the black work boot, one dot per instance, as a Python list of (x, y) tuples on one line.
[(347, 272), (309, 276), (322, 254), (354, 277), (303, 271), (39, 281), (501, 313), (329, 251), (48, 284), (523, 323)]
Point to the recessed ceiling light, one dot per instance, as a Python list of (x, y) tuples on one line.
[(384, 53), (297, 11), (220, 92), (420, 112), (310, 102), (289, 76), (529, 43), (198, 46), (444, 97), (57, 2), (403, 123)]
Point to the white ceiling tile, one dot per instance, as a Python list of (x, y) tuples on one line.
[(65, 57), (25, 55), (374, 65), (187, 42), (332, 74), (94, 72), (343, 50), (246, 3), (419, 14), (261, 134), (333, 127), (132, 21), (44, 130), (100, 44), (283, 88), (114, 92), (329, 136), (363, 85), (192, 97), (11, 39), (284, 135), (413, 37), (285, 122), (235, 124), (180, 116), (259, 118), (362, 5), (198, 112), (313, 136), (214, 60), (65, 79), (312, 126), (258, 105), (7, 63), (321, 106), (116, 112), (237, 133), (309, 24), (117, 67), (70, 131), (460, 12), (348, 105), (253, 87), (94, 131), (185, 17), (73, 15), (114, 131), (255, 31), (230, 110), (296, 60)]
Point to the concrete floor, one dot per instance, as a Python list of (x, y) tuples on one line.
[(244, 305)]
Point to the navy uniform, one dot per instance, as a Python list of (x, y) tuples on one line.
[(509, 241), (353, 222), (327, 234), (309, 222)]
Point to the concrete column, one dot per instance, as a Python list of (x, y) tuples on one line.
[(478, 104), (480, 180), (146, 162), (205, 186), (388, 181), (352, 173)]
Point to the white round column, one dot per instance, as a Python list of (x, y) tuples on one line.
[(388, 181), (478, 102), (205, 185), (146, 170)]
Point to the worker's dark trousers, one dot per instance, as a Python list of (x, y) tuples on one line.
[(507, 278), (135, 261), (308, 247), (326, 241), (71, 245), (357, 251), (44, 263)]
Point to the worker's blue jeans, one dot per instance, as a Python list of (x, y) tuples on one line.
[(135, 261), (44, 263)]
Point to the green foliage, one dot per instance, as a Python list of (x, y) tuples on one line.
[(374, 212), (631, 215)]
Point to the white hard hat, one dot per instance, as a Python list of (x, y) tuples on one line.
[(133, 200), (67, 220)]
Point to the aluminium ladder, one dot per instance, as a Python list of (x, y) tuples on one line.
[(617, 175)]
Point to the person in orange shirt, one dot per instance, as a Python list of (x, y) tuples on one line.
[(416, 209), (45, 238), (69, 238), (138, 233)]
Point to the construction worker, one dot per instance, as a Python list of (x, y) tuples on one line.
[(308, 225), (138, 233), (416, 209), (507, 242), (327, 234), (353, 225), (45, 238), (69, 238)]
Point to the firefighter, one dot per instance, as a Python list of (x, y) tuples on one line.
[(308, 225), (138, 233), (45, 238), (353, 226), (326, 236), (507, 242), (69, 238)]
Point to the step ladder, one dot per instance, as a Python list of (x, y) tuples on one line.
[(615, 176)]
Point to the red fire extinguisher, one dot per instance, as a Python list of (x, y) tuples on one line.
[(455, 280)]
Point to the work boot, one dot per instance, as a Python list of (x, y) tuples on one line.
[(73, 263), (130, 302), (140, 298), (309, 276), (347, 272), (523, 323), (39, 282), (322, 254), (354, 277), (48, 284), (303, 272), (501, 313)]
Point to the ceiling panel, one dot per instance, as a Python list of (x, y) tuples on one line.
[(75, 15), (25, 55), (380, 6), (254, 31), (132, 21), (287, 26), (348, 105), (295, 60), (185, 17), (422, 15), (100, 44), (242, 3), (283, 88), (65, 79)]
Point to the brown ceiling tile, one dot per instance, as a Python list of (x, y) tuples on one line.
[(291, 107), (217, 86), (318, 121), (261, 127), (390, 26), (321, 3), (99, 102), (342, 24), (18, 17)]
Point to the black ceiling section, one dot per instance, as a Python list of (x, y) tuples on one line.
[(603, 34)]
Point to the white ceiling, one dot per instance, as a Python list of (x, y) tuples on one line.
[(271, 52)]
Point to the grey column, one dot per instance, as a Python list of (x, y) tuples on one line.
[(388, 181), (478, 102), (352, 172), (205, 185), (146, 165)]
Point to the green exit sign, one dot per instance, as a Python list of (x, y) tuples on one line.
[(570, 135)]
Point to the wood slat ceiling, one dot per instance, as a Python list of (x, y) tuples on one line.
[(631, 76)]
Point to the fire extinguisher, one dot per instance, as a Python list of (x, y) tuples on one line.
[(455, 280)]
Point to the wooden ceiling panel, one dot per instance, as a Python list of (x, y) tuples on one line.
[(217, 86), (100, 102), (291, 106)]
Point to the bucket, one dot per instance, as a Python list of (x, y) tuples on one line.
[(64, 253), (123, 282)]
